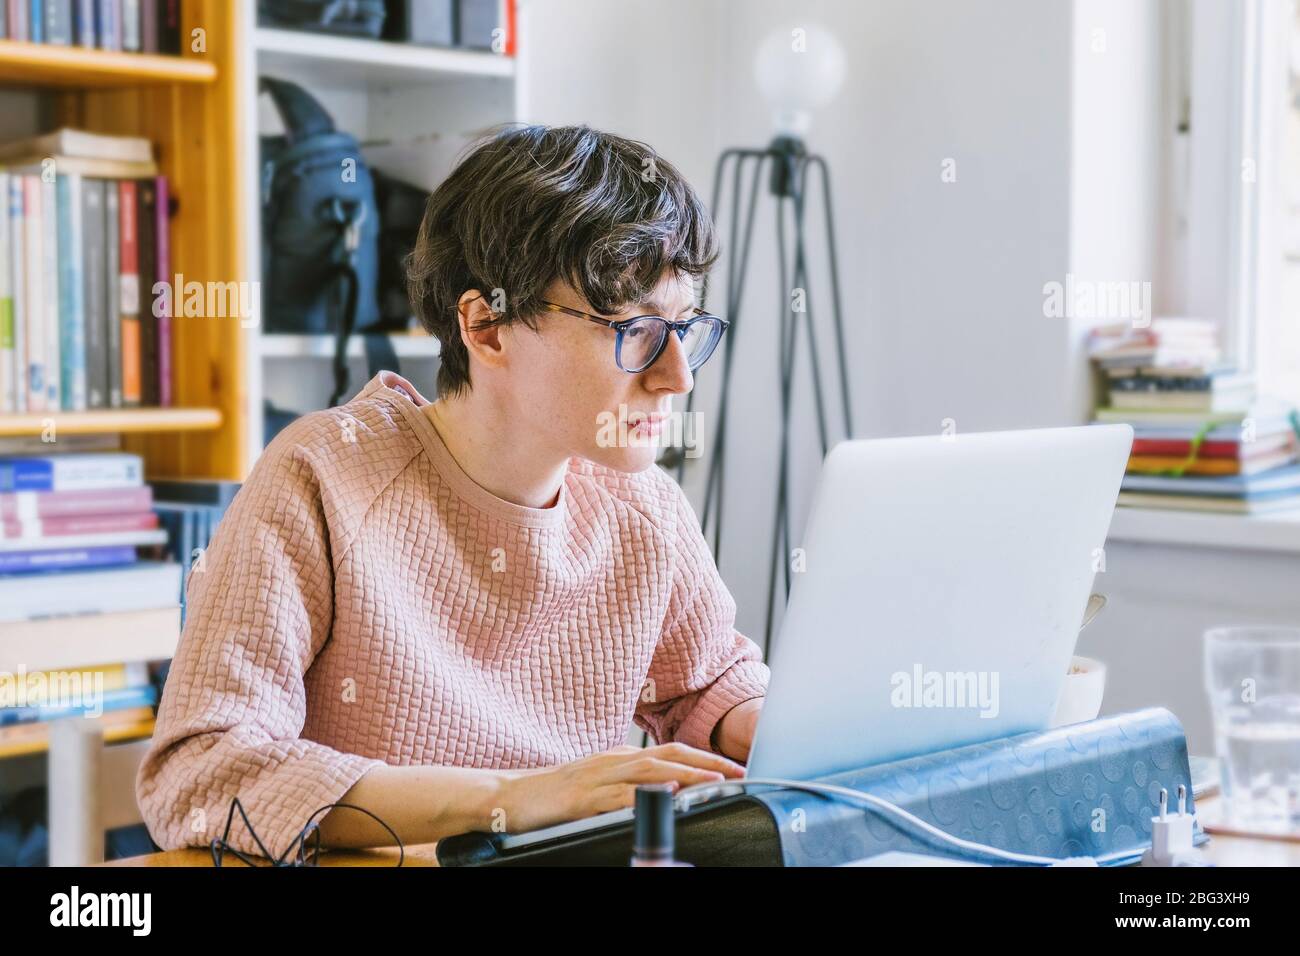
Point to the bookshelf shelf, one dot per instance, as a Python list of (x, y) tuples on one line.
[(50, 65), (334, 61), (322, 346), (111, 421)]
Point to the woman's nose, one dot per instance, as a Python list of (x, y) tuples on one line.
[(671, 371)]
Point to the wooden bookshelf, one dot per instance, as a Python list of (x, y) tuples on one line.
[(51, 65), (97, 422)]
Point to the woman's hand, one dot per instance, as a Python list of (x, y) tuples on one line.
[(603, 782)]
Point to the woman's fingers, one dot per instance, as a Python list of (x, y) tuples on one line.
[(684, 753)]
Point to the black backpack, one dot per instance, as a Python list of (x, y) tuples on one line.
[(320, 234)]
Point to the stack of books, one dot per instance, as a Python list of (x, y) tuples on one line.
[(71, 512), (1203, 439), (85, 287), (132, 26)]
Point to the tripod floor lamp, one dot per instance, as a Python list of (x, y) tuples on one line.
[(795, 80)]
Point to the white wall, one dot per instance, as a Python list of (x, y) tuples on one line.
[(1063, 156)]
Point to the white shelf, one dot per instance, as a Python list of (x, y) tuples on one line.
[(322, 346), (1267, 532), (333, 61)]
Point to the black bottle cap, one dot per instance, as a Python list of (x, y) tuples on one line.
[(654, 821)]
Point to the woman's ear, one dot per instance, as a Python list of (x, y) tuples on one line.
[(484, 344)]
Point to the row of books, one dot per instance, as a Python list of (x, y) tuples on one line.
[(1203, 439), (122, 696), (85, 262), (131, 26)]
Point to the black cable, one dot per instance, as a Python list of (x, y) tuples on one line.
[(220, 846)]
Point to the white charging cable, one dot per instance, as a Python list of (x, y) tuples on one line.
[(877, 803)]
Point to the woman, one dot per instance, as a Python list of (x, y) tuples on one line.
[(451, 613)]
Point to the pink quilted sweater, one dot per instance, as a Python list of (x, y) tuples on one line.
[(365, 602)]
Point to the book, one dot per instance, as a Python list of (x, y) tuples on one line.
[(72, 306), (129, 264), (34, 445), (17, 271), (145, 695), (131, 25), (135, 587), (35, 505), (38, 529), (1236, 449), (8, 360), (58, 559), (36, 21), (43, 687), (149, 14), (69, 143), (110, 24), (163, 305), (107, 539), (85, 166), (1261, 412), (58, 22), (19, 11), (1278, 480), (50, 287), (34, 311), (1242, 506), (94, 292), (169, 27), (71, 472), (113, 299), (83, 17), (1147, 464), (1191, 401), (147, 257)]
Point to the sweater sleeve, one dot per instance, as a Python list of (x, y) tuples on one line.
[(259, 609), (702, 666)]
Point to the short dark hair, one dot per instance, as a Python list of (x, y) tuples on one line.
[(531, 204)]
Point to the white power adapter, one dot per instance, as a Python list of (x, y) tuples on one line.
[(1171, 837)]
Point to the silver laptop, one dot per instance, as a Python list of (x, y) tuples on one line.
[(944, 579)]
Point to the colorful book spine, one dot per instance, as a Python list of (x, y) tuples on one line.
[(18, 14), (71, 472), (131, 26), (110, 24), (129, 252), (109, 700), (18, 276), (84, 23), (147, 257), (8, 367), (169, 27), (37, 505), (72, 306), (113, 299), (36, 21), (50, 287), (149, 15), (95, 292), (62, 559), (35, 295), (58, 22), (78, 524), (164, 304)]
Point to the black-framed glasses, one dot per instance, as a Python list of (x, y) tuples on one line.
[(642, 338)]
